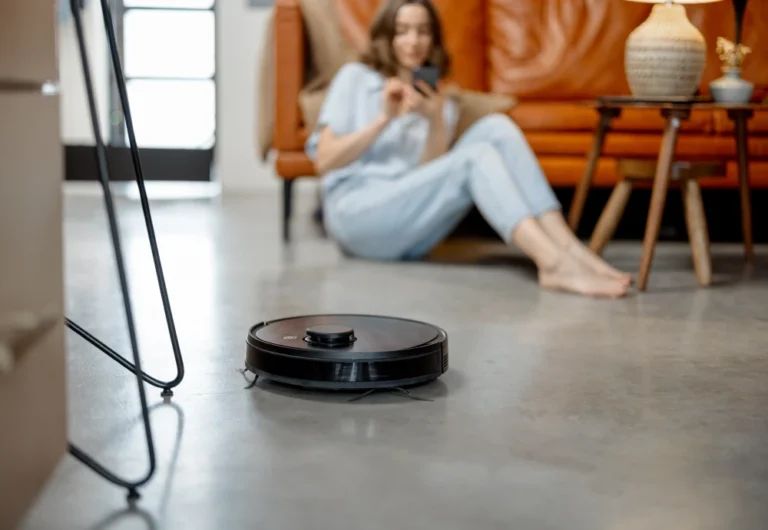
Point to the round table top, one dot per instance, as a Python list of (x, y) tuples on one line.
[(699, 103)]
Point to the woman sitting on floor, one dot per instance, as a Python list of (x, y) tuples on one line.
[(392, 187)]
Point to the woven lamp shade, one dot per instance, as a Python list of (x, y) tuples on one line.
[(665, 56), (675, 1)]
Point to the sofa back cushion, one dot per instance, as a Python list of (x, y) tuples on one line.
[(463, 30), (574, 49), (559, 49)]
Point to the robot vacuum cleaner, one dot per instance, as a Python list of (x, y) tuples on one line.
[(347, 352)]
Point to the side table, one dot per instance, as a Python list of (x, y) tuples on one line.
[(674, 113), (686, 174)]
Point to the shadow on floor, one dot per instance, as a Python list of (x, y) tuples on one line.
[(431, 391)]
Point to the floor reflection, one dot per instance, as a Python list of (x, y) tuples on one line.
[(136, 511)]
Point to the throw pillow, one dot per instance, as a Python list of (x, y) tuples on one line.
[(311, 101), (328, 48), (474, 105)]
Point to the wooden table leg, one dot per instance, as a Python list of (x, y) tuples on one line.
[(698, 234), (659, 193), (609, 219), (580, 196), (740, 118)]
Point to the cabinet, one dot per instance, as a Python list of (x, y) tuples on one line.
[(28, 40), (33, 404)]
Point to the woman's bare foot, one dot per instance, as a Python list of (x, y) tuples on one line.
[(571, 275), (597, 264)]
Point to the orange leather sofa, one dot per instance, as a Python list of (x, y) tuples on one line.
[(552, 56)]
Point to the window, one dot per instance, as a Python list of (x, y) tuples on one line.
[(169, 62), (177, 4)]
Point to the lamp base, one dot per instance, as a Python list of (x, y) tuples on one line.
[(665, 55), (731, 88)]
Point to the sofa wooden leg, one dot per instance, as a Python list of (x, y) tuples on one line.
[(287, 208)]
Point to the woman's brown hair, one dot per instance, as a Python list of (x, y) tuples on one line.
[(380, 56)]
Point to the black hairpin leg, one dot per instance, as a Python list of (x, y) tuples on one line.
[(361, 396), (406, 393), (396, 390), (104, 178), (101, 159), (251, 384)]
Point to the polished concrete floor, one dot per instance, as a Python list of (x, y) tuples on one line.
[(557, 412)]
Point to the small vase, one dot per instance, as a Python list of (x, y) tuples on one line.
[(731, 88)]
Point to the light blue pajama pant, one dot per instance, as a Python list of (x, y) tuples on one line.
[(491, 166)]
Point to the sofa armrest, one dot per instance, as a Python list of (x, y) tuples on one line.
[(289, 74)]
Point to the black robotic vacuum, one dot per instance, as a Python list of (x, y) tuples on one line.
[(347, 352)]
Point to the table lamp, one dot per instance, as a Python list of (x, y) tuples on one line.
[(665, 56)]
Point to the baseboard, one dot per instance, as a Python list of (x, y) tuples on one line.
[(169, 165)]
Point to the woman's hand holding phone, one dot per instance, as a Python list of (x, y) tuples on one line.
[(401, 98), (426, 101)]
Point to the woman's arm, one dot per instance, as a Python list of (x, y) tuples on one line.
[(335, 151), (437, 139), (433, 105), (331, 150)]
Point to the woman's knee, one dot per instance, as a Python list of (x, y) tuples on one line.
[(497, 128), (498, 124), (483, 151)]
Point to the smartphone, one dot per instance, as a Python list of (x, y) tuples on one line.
[(429, 74)]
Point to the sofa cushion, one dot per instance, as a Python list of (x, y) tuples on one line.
[(575, 116), (561, 170), (629, 145), (472, 105), (757, 125), (463, 29)]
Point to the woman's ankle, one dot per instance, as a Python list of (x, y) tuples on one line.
[(529, 236)]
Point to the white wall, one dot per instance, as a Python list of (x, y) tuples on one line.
[(240, 37)]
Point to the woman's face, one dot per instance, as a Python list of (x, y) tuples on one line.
[(413, 36)]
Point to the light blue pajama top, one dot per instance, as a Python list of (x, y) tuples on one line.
[(353, 101)]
